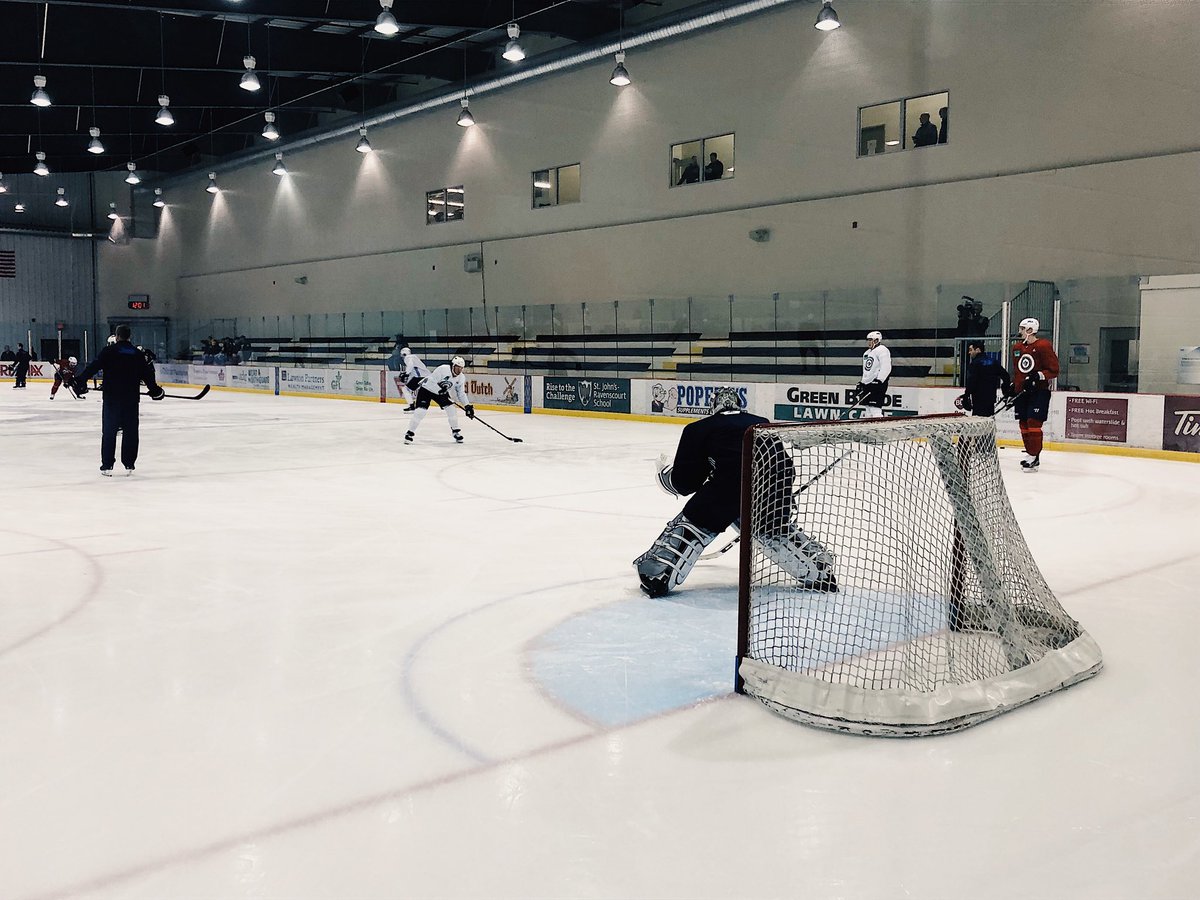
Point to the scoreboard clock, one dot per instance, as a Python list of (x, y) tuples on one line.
[(139, 301)]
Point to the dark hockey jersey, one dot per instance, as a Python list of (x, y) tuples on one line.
[(708, 463)]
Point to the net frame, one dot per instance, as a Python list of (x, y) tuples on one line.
[(1004, 639)]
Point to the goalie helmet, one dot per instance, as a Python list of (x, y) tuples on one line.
[(73, 361), (1031, 323), (726, 399), (459, 361), (875, 336)]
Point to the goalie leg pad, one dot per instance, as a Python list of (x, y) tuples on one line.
[(672, 555), (804, 558)]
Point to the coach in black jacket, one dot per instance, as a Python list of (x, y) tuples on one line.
[(985, 376), (125, 369)]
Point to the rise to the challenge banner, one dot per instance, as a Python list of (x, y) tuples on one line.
[(591, 394)]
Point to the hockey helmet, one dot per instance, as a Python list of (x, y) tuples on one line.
[(1030, 323), (73, 361), (404, 351), (874, 336), (726, 399), (459, 361), (112, 338)]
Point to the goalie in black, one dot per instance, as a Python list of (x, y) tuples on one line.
[(708, 466)]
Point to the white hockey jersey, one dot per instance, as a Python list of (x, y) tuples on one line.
[(443, 379), (414, 367), (877, 364)]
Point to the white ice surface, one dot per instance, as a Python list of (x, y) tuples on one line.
[(292, 658)]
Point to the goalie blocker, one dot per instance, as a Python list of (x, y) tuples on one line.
[(942, 618)]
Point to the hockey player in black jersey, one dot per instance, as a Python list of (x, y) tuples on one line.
[(708, 466)]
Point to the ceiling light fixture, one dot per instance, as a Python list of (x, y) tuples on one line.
[(3, 186), (112, 211), (620, 75), (512, 50), (212, 183), (19, 208), (465, 119), (62, 198), (386, 24), (270, 132), (249, 80), (827, 18), (94, 145), (41, 168), (132, 177), (279, 168), (40, 97), (164, 116), (158, 198), (364, 146)]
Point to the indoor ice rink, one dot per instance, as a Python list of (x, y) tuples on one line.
[(292, 657)]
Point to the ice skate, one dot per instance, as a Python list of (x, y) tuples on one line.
[(408, 437)]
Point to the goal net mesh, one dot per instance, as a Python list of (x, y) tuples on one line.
[(885, 585)]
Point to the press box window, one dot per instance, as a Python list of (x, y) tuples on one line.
[(911, 123), (703, 159), (554, 187), (445, 205)]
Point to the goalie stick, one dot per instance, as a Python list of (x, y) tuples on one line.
[(204, 390), (476, 418)]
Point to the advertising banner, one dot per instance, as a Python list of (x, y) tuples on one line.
[(1097, 419), (355, 383), (304, 381), (214, 375), (689, 398), (172, 373), (497, 390), (1181, 423), (590, 394), (1189, 365), (827, 402), (37, 369), (252, 378)]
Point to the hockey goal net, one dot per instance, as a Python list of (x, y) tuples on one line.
[(885, 586)]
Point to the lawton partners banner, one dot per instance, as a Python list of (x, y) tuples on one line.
[(827, 402), (587, 394), (1181, 423), (689, 398), (331, 382), (1097, 419)]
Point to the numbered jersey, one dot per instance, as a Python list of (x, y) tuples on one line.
[(1036, 357)]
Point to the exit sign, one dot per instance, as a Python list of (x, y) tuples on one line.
[(139, 301)]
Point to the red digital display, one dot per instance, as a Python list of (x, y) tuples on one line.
[(140, 304)]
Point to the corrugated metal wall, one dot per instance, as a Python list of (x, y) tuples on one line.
[(54, 283)]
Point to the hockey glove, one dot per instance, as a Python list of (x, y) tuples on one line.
[(469, 410), (963, 402), (157, 394), (663, 472), (1006, 390), (79, 386), (1032, 382)]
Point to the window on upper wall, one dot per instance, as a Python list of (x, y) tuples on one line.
[(911, 123), (703, 159), (553, 187), (445, 205)]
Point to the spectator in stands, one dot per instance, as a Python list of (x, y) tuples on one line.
[(715, 168), (208, 351), (927, 133), (245, 353), (691, 172), (944, 113), (7, 355)]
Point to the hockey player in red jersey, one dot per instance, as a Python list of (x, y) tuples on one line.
[(1035, 365), (64, 370)]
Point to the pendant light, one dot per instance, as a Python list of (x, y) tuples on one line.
[(132, 177), (41, 168), (158, 198)]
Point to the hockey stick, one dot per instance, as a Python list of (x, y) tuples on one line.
[(204, 390), (497, 430)]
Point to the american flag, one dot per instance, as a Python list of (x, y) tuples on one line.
[(8, 263)]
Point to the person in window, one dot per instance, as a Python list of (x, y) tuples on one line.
[(691, 172), (944, 113), (927, 133), (715, 168)]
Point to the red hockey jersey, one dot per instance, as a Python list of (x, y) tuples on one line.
[(1036, 357)]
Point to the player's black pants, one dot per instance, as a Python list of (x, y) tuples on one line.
[(20, 372), (120, 413)]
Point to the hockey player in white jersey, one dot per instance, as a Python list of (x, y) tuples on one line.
[(446, 385), (414, 371), (876, 371)]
